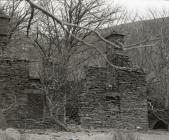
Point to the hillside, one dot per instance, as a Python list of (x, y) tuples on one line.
[(154, 58)]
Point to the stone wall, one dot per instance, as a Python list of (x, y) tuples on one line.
[(132, 87), (97, 111), (114, 98), (14, 85)]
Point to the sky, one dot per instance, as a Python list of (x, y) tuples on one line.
[(142, 6)]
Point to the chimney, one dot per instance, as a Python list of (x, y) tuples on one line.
[(4, 30)]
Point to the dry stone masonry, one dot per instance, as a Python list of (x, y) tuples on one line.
[(14, 82), (111, 98), (114, 98), (18, 88)]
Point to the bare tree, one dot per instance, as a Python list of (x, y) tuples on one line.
[(62, 29), (153, 59), (19, 15)]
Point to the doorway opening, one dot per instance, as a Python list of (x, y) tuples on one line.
[(160, 125)]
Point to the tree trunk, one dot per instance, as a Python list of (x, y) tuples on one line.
[(167, 94), (64, 112), (166, 101)]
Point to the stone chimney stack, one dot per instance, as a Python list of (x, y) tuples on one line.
[(116, 38), (4, 27), (4, 30)]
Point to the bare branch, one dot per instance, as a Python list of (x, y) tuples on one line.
[(30, 20), (141, 46), (33, 5)]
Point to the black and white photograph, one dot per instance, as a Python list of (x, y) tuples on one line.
[(84, 69)]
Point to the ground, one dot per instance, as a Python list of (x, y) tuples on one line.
[(104, 134)]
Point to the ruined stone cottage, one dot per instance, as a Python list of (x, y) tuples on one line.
[(110, 98)]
